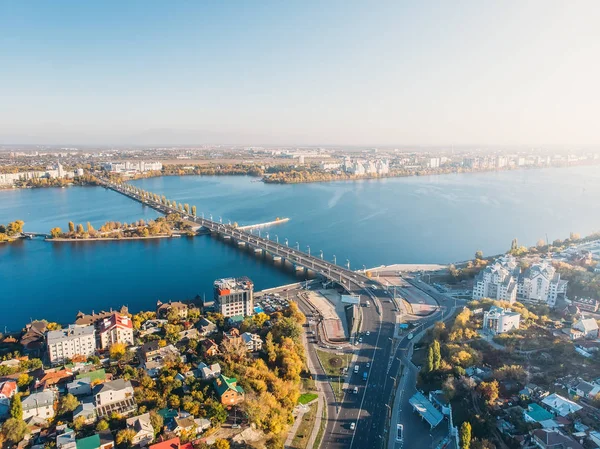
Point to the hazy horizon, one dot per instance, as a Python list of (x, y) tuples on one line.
[(515, 73)]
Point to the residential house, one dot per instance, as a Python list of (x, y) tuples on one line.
[(101, 440), (114, 396), (554, 439), (80, 387), (40, 405), (150, 350), (206, 327), (163, 310), (229, 392), (115, 329), (184, 424), (7, 389), (87, 320), (173, 443), (233, 336), (53, 378), (34, 338), (86, 410), (206, 372), (209, 348), (535, 413), (587, 390), (164, 355), (498, 320), (65, 438), (142, 426), (152, 327), (202, 424), (189, 334), (69, 343), (586, 304), (252, 341), (559, 405), (588, 327)]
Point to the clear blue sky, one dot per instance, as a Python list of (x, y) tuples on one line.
[(300, 72)]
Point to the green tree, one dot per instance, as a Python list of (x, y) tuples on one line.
[(16, 408), (67, 404), (437, 355), (14, 430), (465, 435), (430, 360), (71, 226)]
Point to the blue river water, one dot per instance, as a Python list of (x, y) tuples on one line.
[(404, 220)]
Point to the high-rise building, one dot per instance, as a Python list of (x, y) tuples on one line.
[(116, 329), (234, 296)]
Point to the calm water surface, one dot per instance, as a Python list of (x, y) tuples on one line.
[(419, 219)]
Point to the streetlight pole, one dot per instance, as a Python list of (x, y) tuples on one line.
[(321, 251), (348, 264), (308, 247), (277, 238), (298, 246), (334, 260), (221, 220), (286, 242)]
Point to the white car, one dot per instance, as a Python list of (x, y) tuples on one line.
[(352, 426), (368, 364), (399, 432), (368, 332), (360, 340)]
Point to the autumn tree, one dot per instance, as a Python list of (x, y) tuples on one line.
[(125, 437), (71, 226), (16, 408), (102, 425), (24, 380), (14, 430), (489, 391), (465, 435), (80, 229), (117, 351), (221, 444), (194, 211), (55, 233), (67, 404), (479, 255), (437, 355), (430, 360)]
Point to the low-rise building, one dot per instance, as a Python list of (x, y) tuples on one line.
[(253, 342), (65, 438), (209, 348), (587, 390), (208, 372), (229, 392), (114, 396), (8, 389), (164, 309), (206, 327), (554, 439), (498, 320), (100, 440), (115, 329), (86, 410), (68, 343), (80, 387), (586, 304), (588, 327), (142, 426), (559, 405), (39, 405), (173, 443), (536, 413)]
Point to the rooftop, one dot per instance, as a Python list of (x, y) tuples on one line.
[(229, 285), (538, 413), (426, 409), (70, 332)]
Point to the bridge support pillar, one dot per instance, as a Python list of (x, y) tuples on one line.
[(258, 251)]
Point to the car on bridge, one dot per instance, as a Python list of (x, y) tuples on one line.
[(399, 432)]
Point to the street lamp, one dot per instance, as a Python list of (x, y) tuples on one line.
[(348, 263), (267, 235), (286, 242), (298, 246), (321, 253), (259, 232), (365, 268), (220, 220), (334, 260), (210, 217), (277, 238), (308, 247)]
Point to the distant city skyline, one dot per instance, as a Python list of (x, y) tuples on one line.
[(514, 73)]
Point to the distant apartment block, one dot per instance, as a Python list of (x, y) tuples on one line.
[(234, 296), (498, 320), (73, 341), (132, 167), (116, 329), (505, 281)]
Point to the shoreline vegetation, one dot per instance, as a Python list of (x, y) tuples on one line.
[(162, 227), (12, 231)]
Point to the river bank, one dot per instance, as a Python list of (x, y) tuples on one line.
[(109, 239)]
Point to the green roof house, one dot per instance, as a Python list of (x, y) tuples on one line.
[(230, 393)]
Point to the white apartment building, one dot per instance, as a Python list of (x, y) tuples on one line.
[(505, 281), (129, 166), (498, 320), (434, 162), (67, 343), (115, 329), (234, 297), (498, 281), (541, 283)]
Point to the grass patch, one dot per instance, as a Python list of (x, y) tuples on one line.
[(333, 370), (308, 383), (321, 429), (304, 431), (305, 398)]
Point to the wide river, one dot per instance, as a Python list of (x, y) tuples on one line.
[(419, 219)]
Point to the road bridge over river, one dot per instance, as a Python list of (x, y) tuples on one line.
[(369, 409)]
